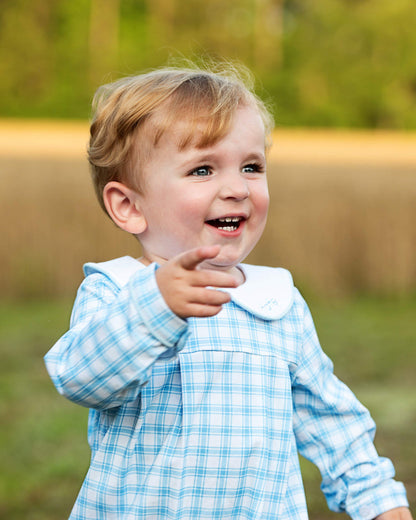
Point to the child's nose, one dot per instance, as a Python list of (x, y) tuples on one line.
[(235, 187)]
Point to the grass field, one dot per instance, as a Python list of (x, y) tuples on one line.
[(43, 446)]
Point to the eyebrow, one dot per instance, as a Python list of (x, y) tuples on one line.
[(260, 157)]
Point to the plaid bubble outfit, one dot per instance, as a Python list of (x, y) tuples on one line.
[(203, 418)]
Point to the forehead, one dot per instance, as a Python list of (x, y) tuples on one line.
[(202, 130)]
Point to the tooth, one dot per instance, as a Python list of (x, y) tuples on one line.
[(229, 219), (228, 228)]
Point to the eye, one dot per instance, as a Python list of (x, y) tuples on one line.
[(201, 171), (253, 168)]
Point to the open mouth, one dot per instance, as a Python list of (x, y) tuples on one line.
[(226, 223)]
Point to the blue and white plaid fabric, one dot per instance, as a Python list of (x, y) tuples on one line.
[(203, 419)]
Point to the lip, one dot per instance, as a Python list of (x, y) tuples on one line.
[(241, 216), (228, 222)]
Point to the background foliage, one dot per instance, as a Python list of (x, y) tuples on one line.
[(326, 63)]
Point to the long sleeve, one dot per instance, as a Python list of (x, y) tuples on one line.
[(336, 432), (116, 336)]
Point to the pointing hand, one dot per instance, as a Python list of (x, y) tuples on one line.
[(189, 290)]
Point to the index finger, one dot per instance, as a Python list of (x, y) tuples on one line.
[(191, 259)]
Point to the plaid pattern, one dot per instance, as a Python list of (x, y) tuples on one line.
[(202, 419)]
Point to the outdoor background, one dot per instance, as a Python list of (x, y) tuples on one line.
[(340, 77)]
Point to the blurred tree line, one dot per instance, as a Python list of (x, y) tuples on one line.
[(346, 63)]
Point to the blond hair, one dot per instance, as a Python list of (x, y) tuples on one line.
[(120, 128)]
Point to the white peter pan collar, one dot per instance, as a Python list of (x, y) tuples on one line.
[(119, 270), (267, 292)]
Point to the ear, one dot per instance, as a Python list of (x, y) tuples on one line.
[(122, 204)]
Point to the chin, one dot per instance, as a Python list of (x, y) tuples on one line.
[(226, 262)]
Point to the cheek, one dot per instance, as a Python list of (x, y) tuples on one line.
[(194, 204), (176, 204), (261, 201)]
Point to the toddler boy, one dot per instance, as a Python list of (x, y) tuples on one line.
[(204, 376)]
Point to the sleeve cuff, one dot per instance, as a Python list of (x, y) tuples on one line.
[(168, 328), (390, 495)]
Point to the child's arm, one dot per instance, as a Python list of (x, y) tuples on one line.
[(400, 513), (116, 336), (185, 287), (336, 432)]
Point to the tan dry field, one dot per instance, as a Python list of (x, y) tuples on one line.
[(67, 139), (342, 215)]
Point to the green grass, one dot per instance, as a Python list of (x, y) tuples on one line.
[(42, 440), (43, 448)]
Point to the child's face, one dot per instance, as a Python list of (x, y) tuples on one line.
[(206, 196)]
